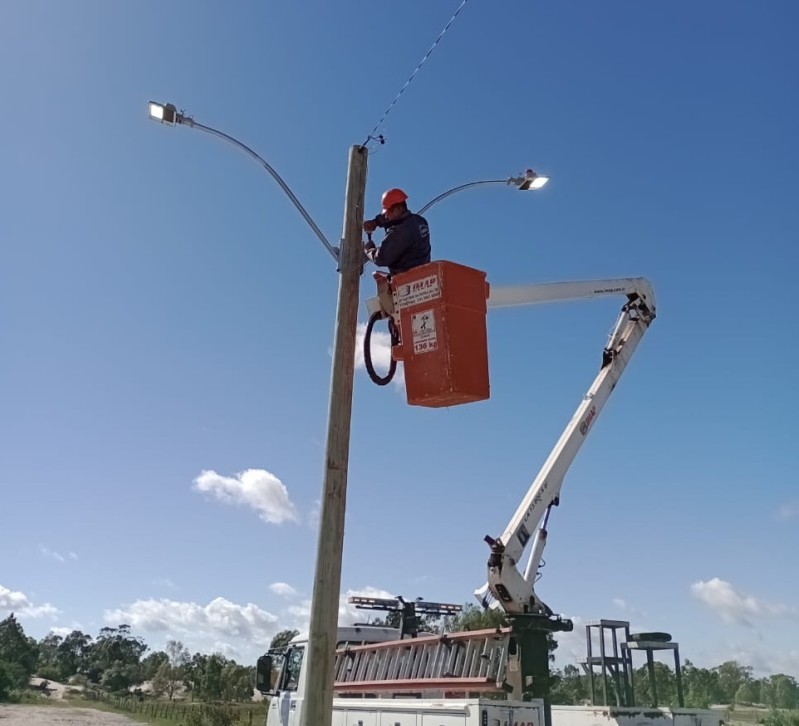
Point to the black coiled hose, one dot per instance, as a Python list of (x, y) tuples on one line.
[(367, 350)]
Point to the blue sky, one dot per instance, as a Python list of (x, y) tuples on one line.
[(167, 317)]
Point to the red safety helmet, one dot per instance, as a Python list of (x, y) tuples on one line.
[(392, 197)]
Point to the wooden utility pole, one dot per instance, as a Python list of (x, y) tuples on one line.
[(317, 708)]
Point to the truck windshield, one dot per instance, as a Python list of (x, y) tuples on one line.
[(293, 665)]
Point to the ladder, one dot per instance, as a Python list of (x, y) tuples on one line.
[(472, 661)]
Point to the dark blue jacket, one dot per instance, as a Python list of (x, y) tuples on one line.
[(406, 245)]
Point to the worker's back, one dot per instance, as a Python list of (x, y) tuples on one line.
[(407, 244)]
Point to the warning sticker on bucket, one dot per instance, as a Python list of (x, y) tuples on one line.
[(423, 327), (418, 291)]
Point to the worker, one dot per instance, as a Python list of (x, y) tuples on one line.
[(407, 241)]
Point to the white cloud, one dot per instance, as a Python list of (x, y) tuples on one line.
[(347, 614), (220, 618), (789, 510), (301, 614), (20, 604), (228, 650), (735, 607), (283, 589), (255, 488), (571, 646), (381, 353), (13, 600), (57, 556)]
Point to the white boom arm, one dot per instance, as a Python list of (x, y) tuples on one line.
[(512, 590)]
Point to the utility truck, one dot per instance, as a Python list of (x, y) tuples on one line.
[(496, 677)]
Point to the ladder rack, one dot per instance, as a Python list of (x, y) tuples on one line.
[(472, 661)]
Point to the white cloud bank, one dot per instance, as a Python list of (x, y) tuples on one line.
[(255, 488), (13, 601), (283, 589), (213, 623), (735, 607)]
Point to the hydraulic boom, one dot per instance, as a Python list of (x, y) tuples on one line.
[(507, 587)]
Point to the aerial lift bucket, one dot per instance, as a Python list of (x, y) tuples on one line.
[(437, 320)]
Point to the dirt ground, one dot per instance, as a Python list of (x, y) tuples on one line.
[(22, 715)]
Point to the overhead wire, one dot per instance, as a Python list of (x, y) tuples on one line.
[(379, 138)]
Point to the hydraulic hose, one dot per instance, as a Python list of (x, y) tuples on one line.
[(367, 350)]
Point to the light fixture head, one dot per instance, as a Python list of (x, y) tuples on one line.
[(165, 113), (532, 181)]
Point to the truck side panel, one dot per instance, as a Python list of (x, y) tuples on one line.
[(598, 716), (439, 712)]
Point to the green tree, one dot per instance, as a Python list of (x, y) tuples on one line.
[(5, 683), (19, 652), (665, 685), (569, 687), (237, 682), (700, 686), (177, 652), (475, 618), (119, 676), (731, 676), (161, 678), (172, 670), (767, 693), (152, 664), (283, 638), (748, 692), (785, 691), (48, 665), (193, 674), (73, 654), (212, 678), (117, 649)]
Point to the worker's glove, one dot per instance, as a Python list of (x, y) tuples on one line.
[(369, 246), (370, 225)]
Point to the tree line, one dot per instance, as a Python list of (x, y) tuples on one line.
[(117, 661), (729, 683)]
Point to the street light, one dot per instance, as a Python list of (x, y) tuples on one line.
[(166, 113), (322, 639), (529, 181)]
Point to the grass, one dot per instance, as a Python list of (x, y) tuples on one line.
[(108, 708), (152, 712)]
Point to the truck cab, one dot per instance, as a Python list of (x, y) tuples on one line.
[(280, 674)]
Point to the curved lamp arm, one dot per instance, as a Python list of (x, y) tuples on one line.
[(168, 114), (529, 181)]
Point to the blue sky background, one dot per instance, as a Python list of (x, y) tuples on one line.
[(164, 311)]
